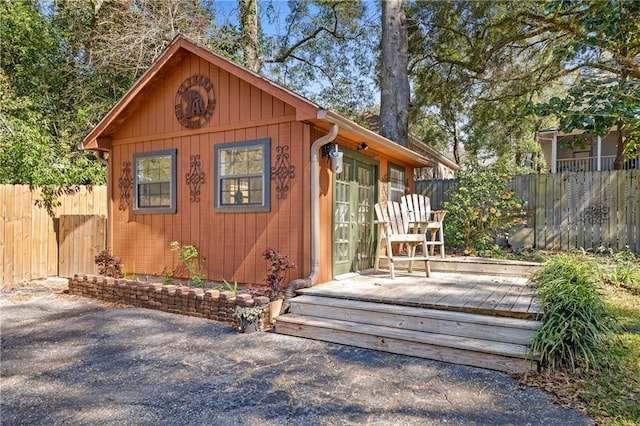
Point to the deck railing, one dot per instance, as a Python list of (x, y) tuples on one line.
[(591, 164)]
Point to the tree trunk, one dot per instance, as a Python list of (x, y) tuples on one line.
[(249, 31), (456, 143), (394, 82), (618, 163)]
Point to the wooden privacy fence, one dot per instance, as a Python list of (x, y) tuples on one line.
[(572, 209), (35, 245)]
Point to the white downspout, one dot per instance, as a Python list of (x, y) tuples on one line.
[(315, 217)]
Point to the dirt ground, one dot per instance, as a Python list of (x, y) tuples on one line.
[(70, 360)]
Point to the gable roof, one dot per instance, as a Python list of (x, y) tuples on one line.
[(99, 137)]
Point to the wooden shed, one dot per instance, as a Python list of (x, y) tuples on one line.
[(207, 153)]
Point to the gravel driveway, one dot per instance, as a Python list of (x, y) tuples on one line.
[(69, 360)]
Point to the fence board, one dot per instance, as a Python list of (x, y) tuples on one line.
[(81, 236), (540, 224), (563, 210), (9, 226), (612, 229), (635, 181), (631, 211), (3, 218), (554, 208), (573, 210), (29, 236), (576, 237)]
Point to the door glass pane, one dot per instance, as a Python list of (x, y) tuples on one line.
[(364, 249), (353, 219), (341, 224)]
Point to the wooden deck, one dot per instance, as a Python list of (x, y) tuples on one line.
[(505, 296), (475, 319)]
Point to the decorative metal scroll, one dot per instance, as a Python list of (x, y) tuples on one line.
[(195, 178), (125, 183), (596, 213), (283, 171)]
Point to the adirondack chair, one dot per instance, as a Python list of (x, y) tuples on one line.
[(423, 219), (392, 221)]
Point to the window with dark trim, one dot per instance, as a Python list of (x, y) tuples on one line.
[(154, 185), (397, 182), (242, 171)]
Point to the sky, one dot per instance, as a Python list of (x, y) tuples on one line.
[(272, 15)]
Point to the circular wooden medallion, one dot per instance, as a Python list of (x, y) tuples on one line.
[(195, 101)]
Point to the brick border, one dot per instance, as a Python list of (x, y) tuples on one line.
[(196, 302)]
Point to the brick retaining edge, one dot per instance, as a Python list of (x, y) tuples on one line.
[(196, 302)]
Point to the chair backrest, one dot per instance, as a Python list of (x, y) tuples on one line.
[(418, 207), (394, 216)]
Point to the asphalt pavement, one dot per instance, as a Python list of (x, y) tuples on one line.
[(71, 360)]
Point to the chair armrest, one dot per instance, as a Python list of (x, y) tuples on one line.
[(438, 215)]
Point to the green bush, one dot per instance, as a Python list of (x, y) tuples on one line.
[(481, 208), (576, 325), (190, 258)]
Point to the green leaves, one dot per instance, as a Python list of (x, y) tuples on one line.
[(602, 44), (481, 207), (596, 106), (576, 325)]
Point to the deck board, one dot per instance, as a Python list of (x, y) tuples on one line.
[(496, 295)]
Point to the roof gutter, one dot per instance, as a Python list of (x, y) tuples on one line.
[(296, 285), (348, 125)]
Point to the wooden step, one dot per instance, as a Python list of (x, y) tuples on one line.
[(492, 328), (472, 265), (455, 349), (484, 266)]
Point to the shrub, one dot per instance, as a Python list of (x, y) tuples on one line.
[(481, 208), (576, 326), (279, 265), (108, 264), (189, 257)]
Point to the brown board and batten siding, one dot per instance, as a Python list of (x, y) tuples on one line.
[(231, 243), (247, 108)]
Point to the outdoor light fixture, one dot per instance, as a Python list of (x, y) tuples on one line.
[(336, 160), (363, 147), (328, 149)]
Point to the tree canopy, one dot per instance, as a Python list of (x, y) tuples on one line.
[(601, 40), (484, 74), (482, 69)]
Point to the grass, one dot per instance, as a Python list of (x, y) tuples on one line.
[(610, 391), (614, 390)]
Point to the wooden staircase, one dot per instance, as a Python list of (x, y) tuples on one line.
[(475, 339)]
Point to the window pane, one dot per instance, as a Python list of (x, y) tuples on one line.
[(155, 182), (234, 191), (255, 160), (154, 195), (241, 161), (241, 170), (240, 191), (154, 168), (396, 182), (255, 190)]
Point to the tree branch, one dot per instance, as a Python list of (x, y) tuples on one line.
[(288, 52)]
